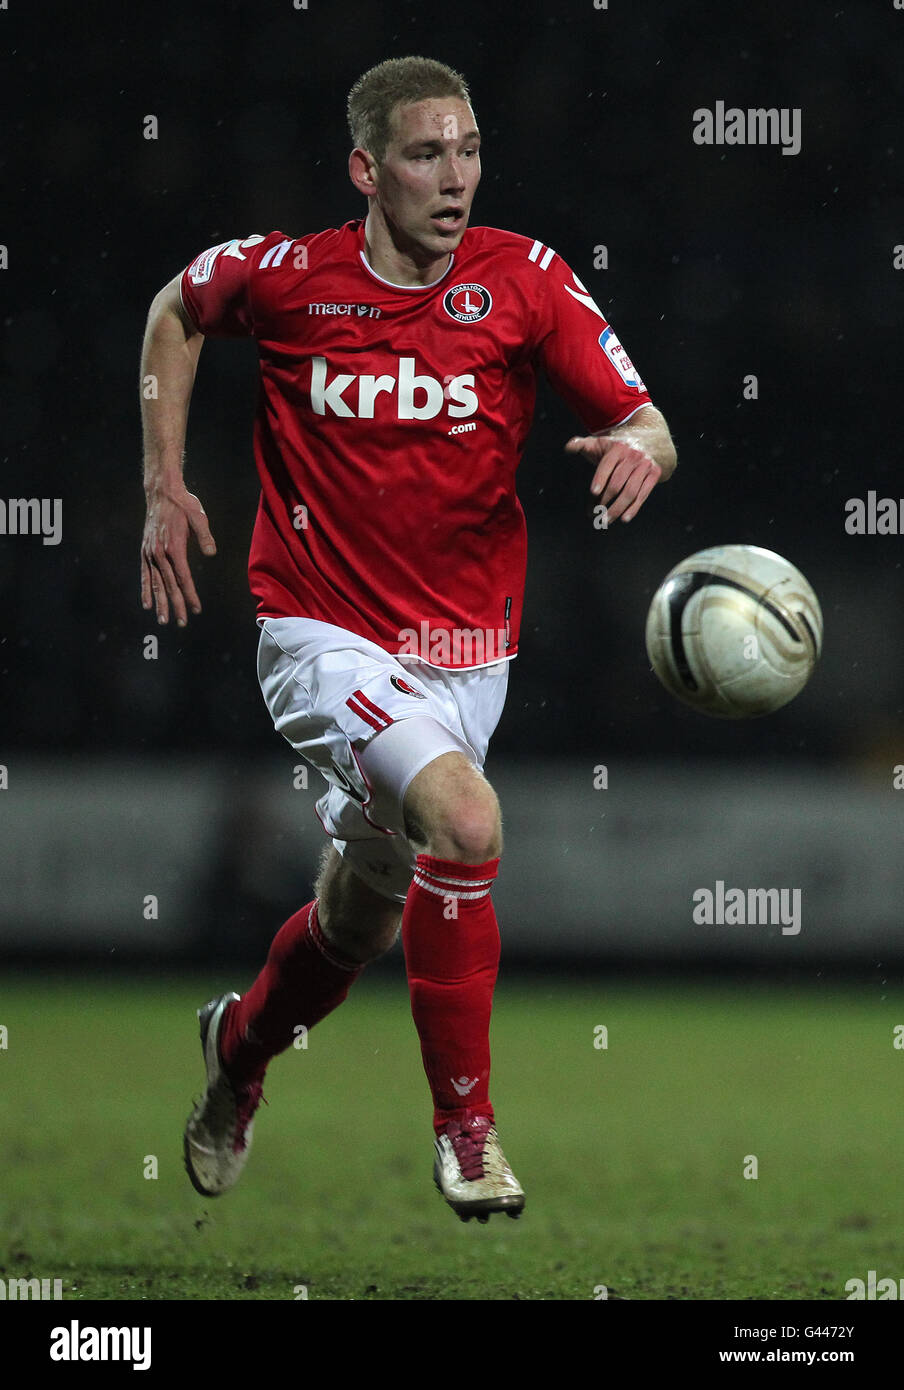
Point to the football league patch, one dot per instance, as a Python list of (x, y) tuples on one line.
[(201, 268), (620, 359)]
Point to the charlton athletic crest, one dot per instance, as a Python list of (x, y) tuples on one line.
[(405, 688), (467, 303)]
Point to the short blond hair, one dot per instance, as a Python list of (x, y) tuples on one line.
[(396, 82)]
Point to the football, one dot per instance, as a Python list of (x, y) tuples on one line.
[(735, 631)]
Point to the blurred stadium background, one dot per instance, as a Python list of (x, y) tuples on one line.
[(131, 778)]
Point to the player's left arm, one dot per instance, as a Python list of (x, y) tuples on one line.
[(630, 460)]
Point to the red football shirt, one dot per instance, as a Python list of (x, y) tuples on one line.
[(391, 421)]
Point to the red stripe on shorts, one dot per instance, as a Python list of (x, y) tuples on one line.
[(374, 709), (383, 722)]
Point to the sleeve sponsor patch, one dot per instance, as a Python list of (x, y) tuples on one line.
[(620, 359), (201, 269)]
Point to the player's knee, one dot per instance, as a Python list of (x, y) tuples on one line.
[(452, 812), (467, 829)]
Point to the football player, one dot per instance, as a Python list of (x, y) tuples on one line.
[(398, 363)]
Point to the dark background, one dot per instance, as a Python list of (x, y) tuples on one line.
[(722, 262), (132, 778)]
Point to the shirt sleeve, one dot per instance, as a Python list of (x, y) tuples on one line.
[(216, 287), (581, 353)]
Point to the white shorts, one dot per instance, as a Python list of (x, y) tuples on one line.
[(369, 722)]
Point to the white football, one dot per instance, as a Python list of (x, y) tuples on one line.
[(734, 631)]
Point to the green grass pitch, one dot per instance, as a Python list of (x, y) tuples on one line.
[(632, 1156)]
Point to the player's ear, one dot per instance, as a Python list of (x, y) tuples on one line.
[(362, 170)]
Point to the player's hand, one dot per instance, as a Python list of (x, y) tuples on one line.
[(625, 474), (166, 582)]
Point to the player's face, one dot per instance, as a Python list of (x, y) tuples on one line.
[(428, 177)]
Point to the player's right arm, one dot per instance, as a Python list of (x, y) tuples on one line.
[(169, 360)]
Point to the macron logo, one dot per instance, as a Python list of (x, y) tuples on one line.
[(417, 396), (76, 1343), (369, 311)]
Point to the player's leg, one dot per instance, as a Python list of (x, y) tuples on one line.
[(451, 941), (310, 674), (449, 930), (355, 919), (315, 958)]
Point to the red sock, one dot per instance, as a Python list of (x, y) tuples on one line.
[(451, 943), (304, 979)]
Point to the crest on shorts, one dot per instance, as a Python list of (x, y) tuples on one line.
[(405, 688)]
